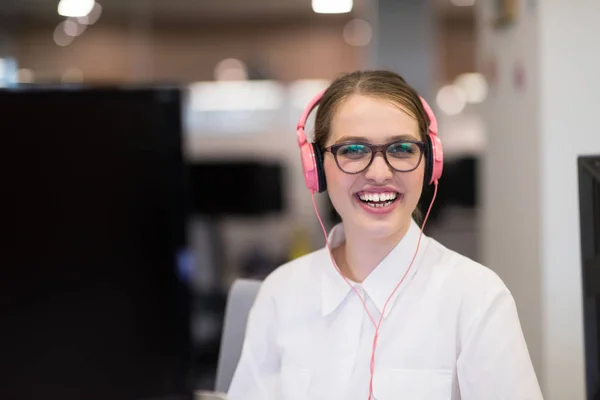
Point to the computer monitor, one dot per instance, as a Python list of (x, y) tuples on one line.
[(589, 208), (242, 188), (93, 302)]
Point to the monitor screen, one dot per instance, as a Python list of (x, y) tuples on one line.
[(93, 304), (589, 201), (237, 187)]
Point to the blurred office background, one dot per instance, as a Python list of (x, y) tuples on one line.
[(514, 84)]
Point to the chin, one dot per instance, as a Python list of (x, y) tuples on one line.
[(382, 228), (379, 224)]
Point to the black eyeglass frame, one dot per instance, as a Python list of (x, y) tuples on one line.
[(376, 148)]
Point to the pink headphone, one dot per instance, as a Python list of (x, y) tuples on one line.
[(312, 156)]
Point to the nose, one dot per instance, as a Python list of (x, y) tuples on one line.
[(379, 171)]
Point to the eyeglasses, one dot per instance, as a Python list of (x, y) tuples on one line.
[(356, 157)]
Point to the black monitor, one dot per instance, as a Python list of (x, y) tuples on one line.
[(93, 301), (589, 208), (227, 187)]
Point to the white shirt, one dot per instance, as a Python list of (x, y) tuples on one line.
[(450, 332)]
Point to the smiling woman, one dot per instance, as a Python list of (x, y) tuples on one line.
[(382, 311), (363, 108)]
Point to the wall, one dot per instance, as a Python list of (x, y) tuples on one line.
[(405, 42), (539, 119), (511, 177), (289, 50), (185, 54), (455, 47), (569, 104)]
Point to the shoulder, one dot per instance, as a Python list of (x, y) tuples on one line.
[(469, 291), (471, 280), (300, 274)]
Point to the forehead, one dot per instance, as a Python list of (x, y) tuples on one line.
[(375, 120)]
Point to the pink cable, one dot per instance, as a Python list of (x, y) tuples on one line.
[(378, 324)]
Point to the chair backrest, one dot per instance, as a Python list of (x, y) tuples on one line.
[(239, 302)]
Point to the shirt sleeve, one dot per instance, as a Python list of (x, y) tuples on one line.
[(494, 361), (257, 372)]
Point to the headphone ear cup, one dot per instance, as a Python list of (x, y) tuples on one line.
[(428, 160), (320, 169)]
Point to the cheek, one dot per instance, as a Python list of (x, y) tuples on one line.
[(418, 175), (338, 183), (414, 182), (418, 180)]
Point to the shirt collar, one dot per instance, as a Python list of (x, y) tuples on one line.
[(382, 281)]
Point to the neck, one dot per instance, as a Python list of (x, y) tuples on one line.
[(360, 255)]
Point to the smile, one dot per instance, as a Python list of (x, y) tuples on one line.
[(377, 200)]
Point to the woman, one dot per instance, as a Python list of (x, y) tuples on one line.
[(383, 312)]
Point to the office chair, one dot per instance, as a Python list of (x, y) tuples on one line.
[(239, 302)]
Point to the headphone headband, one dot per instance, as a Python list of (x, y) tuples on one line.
[(433, 125), (304, 117)]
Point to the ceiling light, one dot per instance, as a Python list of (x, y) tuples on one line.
[(358, 32), (75, 8), (332, 6), (72, 28), (60, 36), (451, 100), (473, 85), (92, 17)]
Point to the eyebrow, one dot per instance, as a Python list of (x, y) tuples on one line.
[(365, 139)]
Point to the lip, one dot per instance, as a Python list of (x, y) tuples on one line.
[(378, 210)]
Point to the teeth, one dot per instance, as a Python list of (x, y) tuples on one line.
[(377, 197)]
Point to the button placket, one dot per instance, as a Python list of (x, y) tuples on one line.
[(355, 320)]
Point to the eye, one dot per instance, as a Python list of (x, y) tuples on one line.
[(353, 151), (403, 149)]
